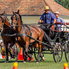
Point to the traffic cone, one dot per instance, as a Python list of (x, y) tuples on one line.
[(31, 59), (20, 56), (1, 56), (65, 66), (15, 65)]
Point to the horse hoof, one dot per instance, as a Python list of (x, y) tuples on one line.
[(24, 62), (37, 62), (6, 62), (43, 58)]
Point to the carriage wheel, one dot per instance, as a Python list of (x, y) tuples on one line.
[(67, 51), (58, 53), (36, 54)]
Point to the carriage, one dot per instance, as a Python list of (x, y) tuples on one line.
[(60, 46), (44, 48)]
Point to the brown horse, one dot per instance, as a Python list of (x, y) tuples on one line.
[(24, 41), (6, 29)]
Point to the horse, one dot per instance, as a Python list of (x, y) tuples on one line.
[(5, 28), (23, 40)]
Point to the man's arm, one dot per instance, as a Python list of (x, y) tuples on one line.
[(63, 22), (53, 18), (54, 21), (41, 18), (40, 21)]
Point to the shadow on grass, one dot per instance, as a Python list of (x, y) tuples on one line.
[(20, 61)]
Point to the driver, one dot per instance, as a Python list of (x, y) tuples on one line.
[(47, 18)]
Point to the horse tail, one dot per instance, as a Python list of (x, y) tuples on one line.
[(46, 38)]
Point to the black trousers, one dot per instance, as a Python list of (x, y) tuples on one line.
[(46, 29), (46, 34)]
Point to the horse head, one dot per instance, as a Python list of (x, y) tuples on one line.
[(2, 20), (16, 20)]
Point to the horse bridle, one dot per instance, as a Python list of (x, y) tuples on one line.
[(17, 18), (15, 24)]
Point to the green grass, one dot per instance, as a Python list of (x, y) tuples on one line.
[(47, 64)]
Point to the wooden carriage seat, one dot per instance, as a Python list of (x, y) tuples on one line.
[(53, 27)]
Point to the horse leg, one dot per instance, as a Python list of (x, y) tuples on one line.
[(9, 49), (39, 53), (6, 55), (17, 51), (17, 55), (26, 51), (24, 55)]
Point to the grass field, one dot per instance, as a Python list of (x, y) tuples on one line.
[(47, 64)]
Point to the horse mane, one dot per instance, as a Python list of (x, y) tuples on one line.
[(21, 18), (8, 24)]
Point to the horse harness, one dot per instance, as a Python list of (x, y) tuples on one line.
[(24, 25)]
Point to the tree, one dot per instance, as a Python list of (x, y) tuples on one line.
[(64, 3)]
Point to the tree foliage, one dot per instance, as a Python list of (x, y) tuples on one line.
[(64, 3)]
